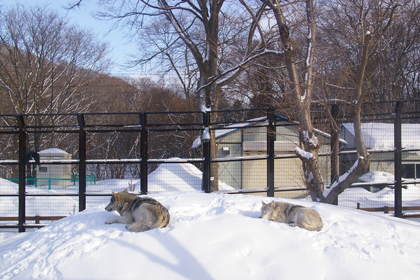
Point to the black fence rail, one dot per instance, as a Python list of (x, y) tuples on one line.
[(135, 151)]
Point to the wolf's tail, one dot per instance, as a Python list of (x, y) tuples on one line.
[(164, 217), (311, 220)]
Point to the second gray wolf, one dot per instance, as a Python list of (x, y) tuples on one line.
[(140, 214), (294, 215)]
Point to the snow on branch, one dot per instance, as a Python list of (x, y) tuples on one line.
[(303, 155), (344, 177)]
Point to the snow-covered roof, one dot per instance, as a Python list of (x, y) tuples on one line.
[(52, 151), (381, 135), (238, 126), (229, 129)]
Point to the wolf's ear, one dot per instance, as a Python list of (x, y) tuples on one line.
[(116, 195), (273, 204), (125, 190), (264, 203)]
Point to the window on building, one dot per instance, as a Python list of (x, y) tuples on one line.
[(411, 171)]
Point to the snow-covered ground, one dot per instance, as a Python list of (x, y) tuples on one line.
[(214, 236), (380, 196)]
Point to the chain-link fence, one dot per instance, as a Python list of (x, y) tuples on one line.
[(50, 170)]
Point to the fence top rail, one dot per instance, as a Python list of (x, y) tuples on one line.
[(173, 160), (73, 126)]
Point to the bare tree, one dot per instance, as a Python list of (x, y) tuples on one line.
[(301, 89), (198, 25), (362, 33), (218, 49), (357, 31), (167, 56), (46, 66)]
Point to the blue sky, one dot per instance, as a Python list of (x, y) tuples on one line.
[(120, 47)]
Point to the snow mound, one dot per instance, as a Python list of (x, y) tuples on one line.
[(215, 236), (377, 177), (177, 177), (8, 186)]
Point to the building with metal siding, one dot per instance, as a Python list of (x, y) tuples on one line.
[(248, 139)]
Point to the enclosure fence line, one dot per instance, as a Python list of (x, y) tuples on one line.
[(143, 127)]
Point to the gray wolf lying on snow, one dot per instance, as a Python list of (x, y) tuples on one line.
[(294, 215), (140, 214)]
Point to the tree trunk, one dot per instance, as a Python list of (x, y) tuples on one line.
[(361, 166), (302, 97)]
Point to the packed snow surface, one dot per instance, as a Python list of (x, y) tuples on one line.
[(217, 236), (210, 236)]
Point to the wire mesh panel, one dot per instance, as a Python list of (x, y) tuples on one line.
[(8, 211), (108, 177), (53, 193), (379, 140), (231, 173), (289, 178), (9, 202), (170, 177), (53, 178), (97, 201), (9, 179), (410, 169), (106, 152), (254, 173), (377, 192), (50, 208)]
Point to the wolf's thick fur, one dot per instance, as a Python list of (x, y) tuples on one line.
[(294, 215), (140, 214)]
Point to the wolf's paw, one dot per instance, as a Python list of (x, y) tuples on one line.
[(131, 228)]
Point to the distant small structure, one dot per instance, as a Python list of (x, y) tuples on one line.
[(54, 174)]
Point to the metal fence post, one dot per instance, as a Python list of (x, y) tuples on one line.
[(82, 162), (205, 140), (397, 160), (335, 161), (271, 129), (22, 175), (143, 153)]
